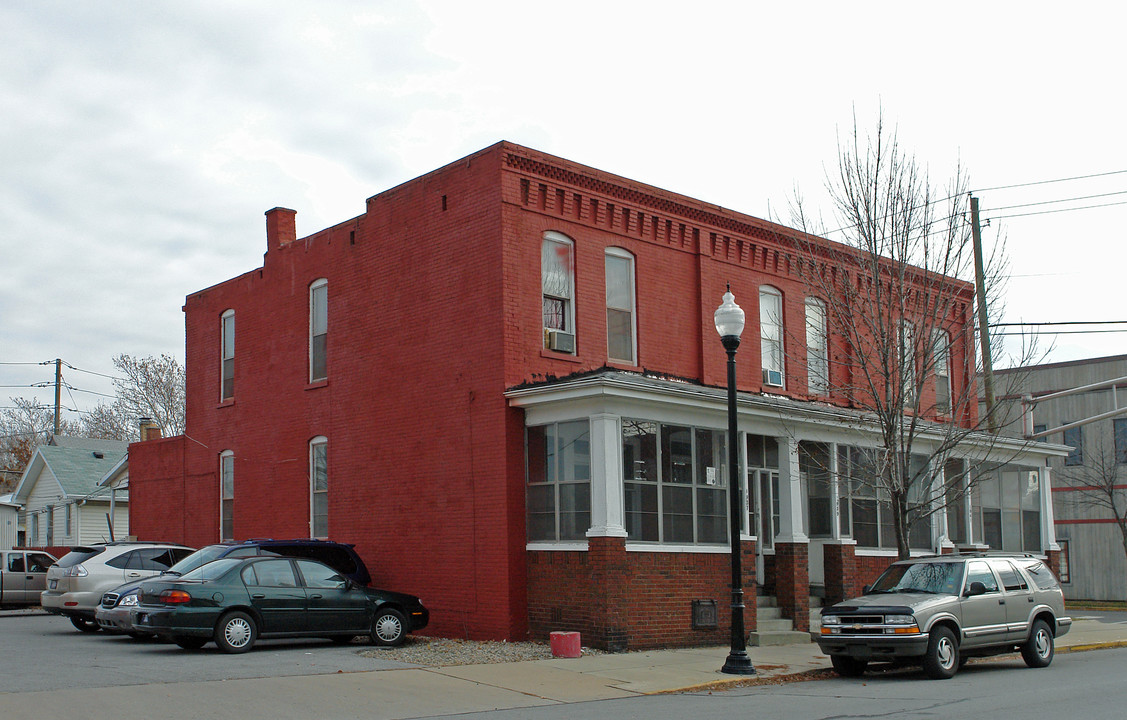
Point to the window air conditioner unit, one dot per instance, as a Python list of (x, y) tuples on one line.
[(772, 377), (560, 341)]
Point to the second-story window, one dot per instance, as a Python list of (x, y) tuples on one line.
[(771, 334), (227, 355), (817, 347), (557, 282), (621, 343), (226, 495), (942, 348), (318, 330)]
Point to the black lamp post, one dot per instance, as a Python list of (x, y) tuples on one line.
[(729, 319)]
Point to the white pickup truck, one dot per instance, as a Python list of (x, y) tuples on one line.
[(23, 575)]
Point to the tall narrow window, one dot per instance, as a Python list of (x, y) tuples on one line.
[(318, 330), (227, 355), (226, 495), (319, 487), (67, 516), (907, 361), (557, 281), (942, 350), (771, 334), (1074, 438), (558, 468), (620, 305), (817, 347), (1119, 426)]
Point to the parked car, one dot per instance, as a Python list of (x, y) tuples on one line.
[(235, 601), (113, 613), (939, 611), (76, 582), (23, 576)]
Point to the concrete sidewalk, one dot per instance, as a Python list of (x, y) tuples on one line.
[(417, 692)]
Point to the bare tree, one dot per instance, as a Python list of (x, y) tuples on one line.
[(23, 427), (1099, 483), (150, 387), (897, 314)]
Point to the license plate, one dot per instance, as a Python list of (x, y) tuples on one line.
[(54, 584)]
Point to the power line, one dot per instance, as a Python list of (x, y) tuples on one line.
[(1049, 212), (91, 372), (1046, 182), (1050, 202), (1068, 322)]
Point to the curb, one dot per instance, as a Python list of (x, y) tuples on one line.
[(1093, 646)]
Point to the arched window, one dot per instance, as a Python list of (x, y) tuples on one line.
[(318, 330), (557, 283), (771, 334), (817, 347), (227, 355), (319, 487), (621, 323), (226, 495)]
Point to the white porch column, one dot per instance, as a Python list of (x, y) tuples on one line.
[(607, 512), (941, 531), (1048, 521), (835, 495), (790, 494), (746, 489)]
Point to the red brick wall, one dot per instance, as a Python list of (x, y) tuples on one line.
[(792, 582), (621, 600)]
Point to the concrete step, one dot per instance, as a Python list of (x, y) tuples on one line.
[(773, 625), (765, 601), (778, 637), (768, 613)]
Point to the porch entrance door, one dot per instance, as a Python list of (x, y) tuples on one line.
[(766, 516)]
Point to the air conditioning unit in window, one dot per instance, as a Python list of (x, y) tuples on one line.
[(560, 341), (772, 377)]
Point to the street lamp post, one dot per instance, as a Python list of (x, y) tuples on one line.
[(729, 319)]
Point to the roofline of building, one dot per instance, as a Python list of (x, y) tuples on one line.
[(1062, 364)]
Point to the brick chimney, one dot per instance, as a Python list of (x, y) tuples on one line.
[(149, 429), (281, 227)]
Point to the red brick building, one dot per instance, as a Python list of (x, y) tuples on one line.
[(503, 384)]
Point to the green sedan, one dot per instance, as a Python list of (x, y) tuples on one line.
[(235, 601)]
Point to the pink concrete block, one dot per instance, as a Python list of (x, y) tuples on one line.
[(566, 644)]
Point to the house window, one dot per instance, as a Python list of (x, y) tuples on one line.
[(226, 495), (817, 347), (318, 330), (35, 528), (941, 345), (50, 525), (814, 465), (1010, 503), (557, 282), (954, 478), (558, 467), (621, 344), (675, 483), (1065, 575), (866, 506), (1120, 428), (227, 355), (319, 487), (66, 518), (1074, 438), (771, 334)]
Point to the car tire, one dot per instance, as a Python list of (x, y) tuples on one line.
[(236, 632), (1038, 650), (84, 624), (140, 636), (389, 628), (942, 658), (189, 642), (846, 666)]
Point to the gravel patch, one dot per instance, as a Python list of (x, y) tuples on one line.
[(444, 652)]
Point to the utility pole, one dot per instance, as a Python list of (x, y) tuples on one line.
[(58, 390), (983, 319)]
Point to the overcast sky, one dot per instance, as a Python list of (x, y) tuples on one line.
[(143, 141)]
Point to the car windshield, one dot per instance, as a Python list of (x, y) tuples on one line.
[(927, 577), (212, 570), (200, 557)]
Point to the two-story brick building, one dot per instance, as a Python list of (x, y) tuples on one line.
[(503, 383)]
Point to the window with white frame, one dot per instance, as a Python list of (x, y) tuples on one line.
[(50, 525), (771, 335), (67, 519), (941, 347), (814, 464), (319, 487), (557, 282), (955, 481), (1009, 502), (621, 323), (227, 355), (226, 495), (558, 466), (675, 483), (865, 503), (817, 347), (318, 330), (35, 528)]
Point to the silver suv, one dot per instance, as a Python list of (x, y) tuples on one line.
[(940, 611), (76, 582)]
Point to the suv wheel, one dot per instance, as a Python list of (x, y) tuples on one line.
[(846, 666), (1037, 651), (84, 624), (942, 658)]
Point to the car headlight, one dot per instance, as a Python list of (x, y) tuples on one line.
[(899, 620), (126, 600), (831, 620)]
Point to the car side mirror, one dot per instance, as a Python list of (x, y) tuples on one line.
[(975, 588), (865, 590)]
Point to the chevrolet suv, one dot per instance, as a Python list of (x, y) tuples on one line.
[(940, 611), (76, 582)]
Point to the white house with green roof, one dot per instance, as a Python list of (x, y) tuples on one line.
[(62, 502)]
